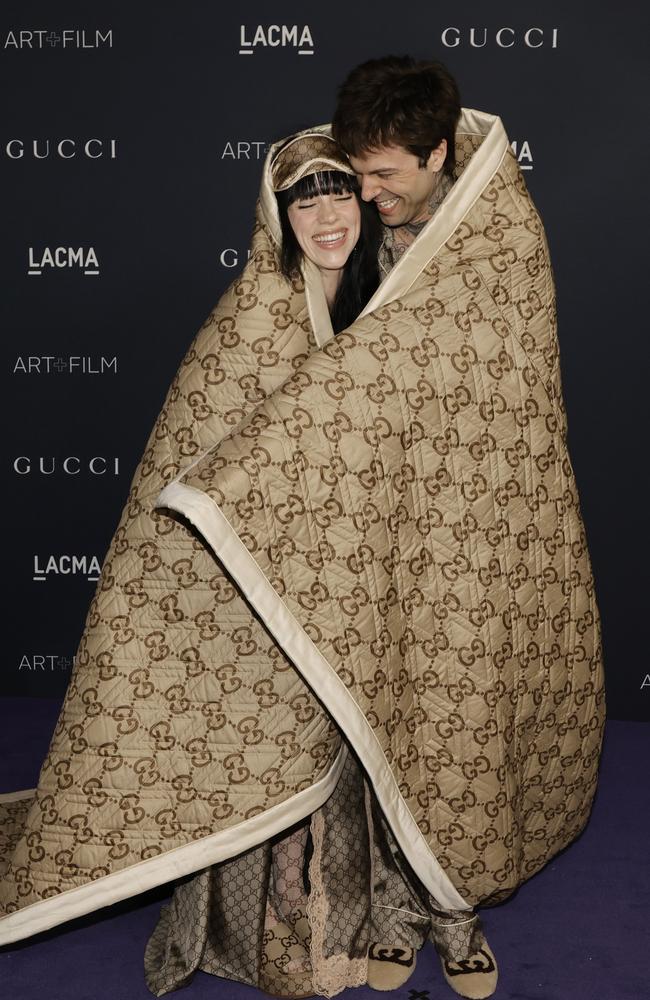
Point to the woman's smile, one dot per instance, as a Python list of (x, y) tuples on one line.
[(331, 240)]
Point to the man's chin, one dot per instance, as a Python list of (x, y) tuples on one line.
[(393, 218), (393, 221)]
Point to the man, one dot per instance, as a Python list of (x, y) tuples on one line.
[(397, 120)]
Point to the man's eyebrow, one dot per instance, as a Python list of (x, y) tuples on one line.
[(381, 170)]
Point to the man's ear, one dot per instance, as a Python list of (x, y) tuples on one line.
[(437, 157)]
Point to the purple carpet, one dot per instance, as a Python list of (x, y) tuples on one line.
[(574, 932)]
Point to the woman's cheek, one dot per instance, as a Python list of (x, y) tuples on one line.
[(354, 222)]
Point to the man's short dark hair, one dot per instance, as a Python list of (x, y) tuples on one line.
[(398, 101)]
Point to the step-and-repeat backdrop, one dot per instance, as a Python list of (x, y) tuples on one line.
[(133, 138)]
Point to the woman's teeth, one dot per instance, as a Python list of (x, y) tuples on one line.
[(330, 237)]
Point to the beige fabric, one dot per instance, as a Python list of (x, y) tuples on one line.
[(401, 513)]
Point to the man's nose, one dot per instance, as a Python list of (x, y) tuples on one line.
[(369, 188)]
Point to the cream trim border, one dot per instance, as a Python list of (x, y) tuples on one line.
[(319, 314), (171, 865), (26, 793), (222, 538)]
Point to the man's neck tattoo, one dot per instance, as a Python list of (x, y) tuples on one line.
[(397, 241), (415, 228), (439, 193)]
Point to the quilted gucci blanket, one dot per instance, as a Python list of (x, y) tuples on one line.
[(380, 539)]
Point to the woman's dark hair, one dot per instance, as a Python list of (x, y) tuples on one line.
[(361, 273)]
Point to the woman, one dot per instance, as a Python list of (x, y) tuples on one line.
[(324, 220), (173, 669)]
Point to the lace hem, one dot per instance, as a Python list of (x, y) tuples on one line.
[(330, 974)]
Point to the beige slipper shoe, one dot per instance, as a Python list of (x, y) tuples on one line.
[(474, 977), (389, 967)]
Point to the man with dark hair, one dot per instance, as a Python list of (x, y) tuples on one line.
[(396, 118)]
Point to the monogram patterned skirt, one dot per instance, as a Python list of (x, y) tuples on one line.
[(296, 915)]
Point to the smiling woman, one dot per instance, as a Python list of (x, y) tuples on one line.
[(324, 220), (327, 227)]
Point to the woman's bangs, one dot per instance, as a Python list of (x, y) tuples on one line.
[(323, 182)]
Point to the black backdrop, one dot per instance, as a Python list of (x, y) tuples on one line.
[(133, 140)]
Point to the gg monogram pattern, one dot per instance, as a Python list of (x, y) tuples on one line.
[(182, 716), (409, 496), (253, 918)]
